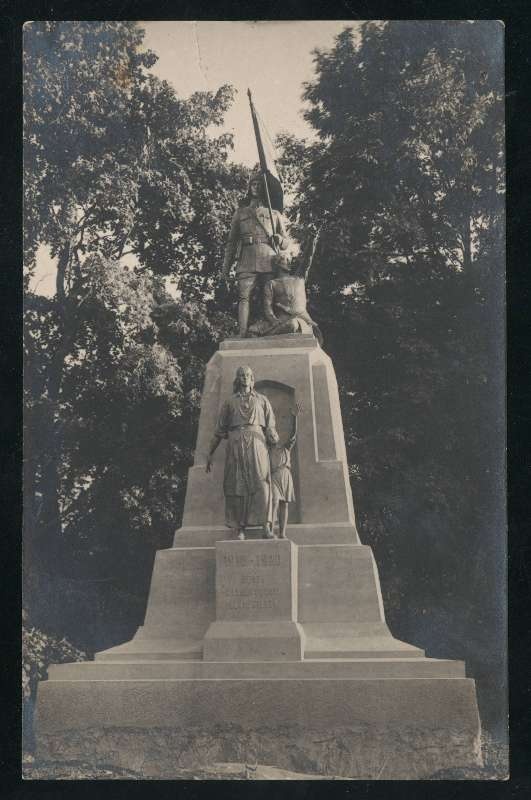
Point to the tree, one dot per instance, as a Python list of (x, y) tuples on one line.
[(406, 177), (127, 191)]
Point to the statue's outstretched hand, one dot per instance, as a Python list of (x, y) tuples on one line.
[(297, 410)]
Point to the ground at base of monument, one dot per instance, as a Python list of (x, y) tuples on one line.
[(80, 770), (63, 763)]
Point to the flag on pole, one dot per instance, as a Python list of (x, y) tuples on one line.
[(267, 157)]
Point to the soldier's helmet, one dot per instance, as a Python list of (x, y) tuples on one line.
[(255, 175)]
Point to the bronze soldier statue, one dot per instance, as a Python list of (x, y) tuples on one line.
[(253, 243)]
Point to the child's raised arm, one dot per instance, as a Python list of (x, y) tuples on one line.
[(293, 436)]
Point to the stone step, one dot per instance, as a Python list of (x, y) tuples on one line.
[(357, 653), (362, 669), (328, 648), (347, 641), (354, 649), (442, 704), (292, 341), (302, 534), (143, 648)]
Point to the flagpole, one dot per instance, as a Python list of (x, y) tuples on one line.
[(261, 160)]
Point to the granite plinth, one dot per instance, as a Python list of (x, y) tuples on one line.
[(266, 650), (287, 369), (288, 341), (331, 592), (256, 581), (372, 728), (256, 603), (300, 533), (351, 668), (320, 703)]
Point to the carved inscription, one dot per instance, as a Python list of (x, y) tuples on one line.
[(256, 560), (250, 589), (253, 583)]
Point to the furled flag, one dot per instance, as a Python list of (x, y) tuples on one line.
[(266, 155)]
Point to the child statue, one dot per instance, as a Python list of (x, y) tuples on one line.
[(281, 479)]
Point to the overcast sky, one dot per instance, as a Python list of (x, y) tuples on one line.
[(273, 59)]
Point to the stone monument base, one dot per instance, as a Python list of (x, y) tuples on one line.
[(274, 680), (361, 728), (362, 752), (266, 651)]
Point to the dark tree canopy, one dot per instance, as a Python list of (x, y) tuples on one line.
[(406, 180), (126, 190)]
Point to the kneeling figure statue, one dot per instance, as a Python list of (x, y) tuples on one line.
[(284, 300)]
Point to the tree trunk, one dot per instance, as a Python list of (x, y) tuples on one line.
[(50, 527), (467, 247), (30, 558)]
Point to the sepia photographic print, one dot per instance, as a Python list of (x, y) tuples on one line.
[(264, 423)]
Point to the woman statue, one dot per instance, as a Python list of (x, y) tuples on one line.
[(247, 422)]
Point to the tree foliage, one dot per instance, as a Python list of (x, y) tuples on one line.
[(406, 180), (127, 191), (114, 161)]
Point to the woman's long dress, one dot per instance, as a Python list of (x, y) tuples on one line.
[(248, 424)]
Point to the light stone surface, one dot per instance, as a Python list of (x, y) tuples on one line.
[(333, 594), (300, 533), (272, 651), (369, 729), (359, 668), (287, 369), (321, 703), (256, 580), (181, 606), (256, 603), (339, 583), (254, 641)]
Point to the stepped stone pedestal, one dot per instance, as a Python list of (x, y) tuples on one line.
[(269, 651), (256, 603)]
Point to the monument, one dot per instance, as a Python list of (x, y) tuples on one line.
[(258, 647)]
